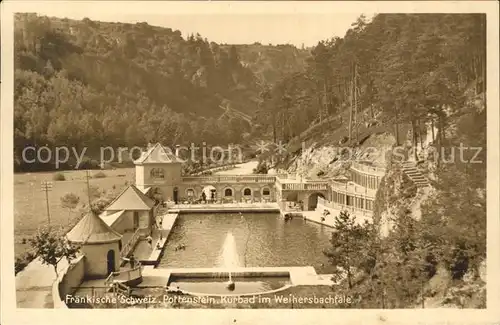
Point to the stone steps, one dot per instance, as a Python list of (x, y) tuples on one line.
[(410, 169)]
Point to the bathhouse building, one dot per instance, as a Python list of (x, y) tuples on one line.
[(158, 173)]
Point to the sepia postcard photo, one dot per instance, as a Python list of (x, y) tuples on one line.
[(250, 162)]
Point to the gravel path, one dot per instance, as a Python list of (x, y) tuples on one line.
[(240, 169), (34, 284)]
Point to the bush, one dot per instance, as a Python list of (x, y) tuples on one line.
[(88, 163), (94, 192), (99, 175), (20, 264), (459, 263), (70, 201), (261, 168), (58, 177), (22, 261), (100, 204)]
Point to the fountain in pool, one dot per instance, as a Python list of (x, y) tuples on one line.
[(229, 258)]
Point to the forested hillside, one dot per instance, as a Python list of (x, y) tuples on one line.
[(402, 68), (271, 63), (88, 83)]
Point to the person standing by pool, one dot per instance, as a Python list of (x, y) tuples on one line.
[(150, 241), (132, 261)]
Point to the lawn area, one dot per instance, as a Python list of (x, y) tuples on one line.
[(30, 210)]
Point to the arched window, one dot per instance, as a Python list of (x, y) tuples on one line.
[(266, 191), (157, 173), (111, 261), (228, 192), (247, 192), (190, 192)]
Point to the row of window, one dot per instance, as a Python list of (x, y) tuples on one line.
[(350, 200), (229, 192), (368, 181), (246, 192)]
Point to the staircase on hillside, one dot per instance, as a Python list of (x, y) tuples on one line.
[(410, 169)]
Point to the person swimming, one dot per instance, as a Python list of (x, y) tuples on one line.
[(180, 246)]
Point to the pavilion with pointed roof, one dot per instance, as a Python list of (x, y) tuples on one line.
[(100, 244), (91, 229)]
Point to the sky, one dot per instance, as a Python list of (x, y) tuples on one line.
[(274, 28)]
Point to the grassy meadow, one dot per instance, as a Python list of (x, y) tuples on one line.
[(30, 209)]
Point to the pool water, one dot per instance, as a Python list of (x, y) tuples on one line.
[(257, 240)]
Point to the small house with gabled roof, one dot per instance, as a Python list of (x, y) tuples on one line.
[(130, 211), (100, 244)]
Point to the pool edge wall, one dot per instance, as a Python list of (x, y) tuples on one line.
[(236, 274), (232, 210)]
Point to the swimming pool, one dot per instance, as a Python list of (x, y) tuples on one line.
[(258, 239)]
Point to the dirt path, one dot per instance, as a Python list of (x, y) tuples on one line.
[(240, 169), (34, 285)]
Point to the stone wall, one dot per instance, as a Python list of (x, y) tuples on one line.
[(67, 282)]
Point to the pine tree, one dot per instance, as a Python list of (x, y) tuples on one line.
[(347, 241)]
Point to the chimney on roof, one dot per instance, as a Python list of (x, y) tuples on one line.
[(177, 150)]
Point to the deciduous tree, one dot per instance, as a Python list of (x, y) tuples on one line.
[(51, 247)]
